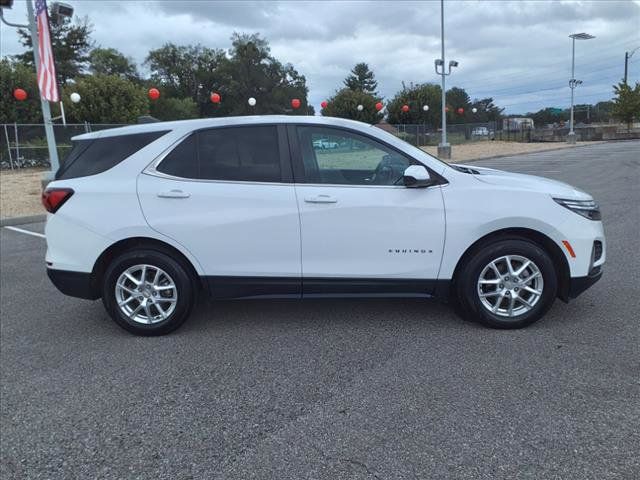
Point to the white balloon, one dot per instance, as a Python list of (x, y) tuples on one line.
[(425, 108), (360, 108), (474, 110), (252, 101), (75, 97)]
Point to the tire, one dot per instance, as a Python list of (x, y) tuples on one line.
[(480, 286), (169, 297)]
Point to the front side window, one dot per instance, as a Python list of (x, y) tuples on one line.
[(335, 156), (236, 153)]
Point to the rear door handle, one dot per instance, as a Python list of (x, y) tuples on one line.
[(174, 194), (321, 199)]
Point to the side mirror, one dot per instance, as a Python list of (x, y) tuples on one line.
[(416, 176)]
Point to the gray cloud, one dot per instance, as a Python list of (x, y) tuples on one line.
[(516, 51)]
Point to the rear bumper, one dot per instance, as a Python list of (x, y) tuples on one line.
[(74, 284), (578, 285)]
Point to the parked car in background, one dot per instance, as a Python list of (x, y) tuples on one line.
[(148, 217)]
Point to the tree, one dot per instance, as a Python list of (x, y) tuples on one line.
[(70, 42), (626, 105), (107, 99), (186, 72), (170, 108), (344, 104), (361, 79), (109, 61), (487, 111), (416, 97), (250, 70), (458, 98), (12, 76), (548, 116)]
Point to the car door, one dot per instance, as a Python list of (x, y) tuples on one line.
[(226, 195), (363, 231)]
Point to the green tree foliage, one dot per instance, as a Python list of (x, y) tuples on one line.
[(250, 70), (106, 99), (186, 72), (626, 105), (344, 104), (15, 75), (361, 79), (548, 116), (416, 96), (171, 108), (487, 111), (109, 61), (458, 98), (70, 42)]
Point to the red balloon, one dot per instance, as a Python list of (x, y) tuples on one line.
[(405, 108), (379, 106), (324, 104), (460, 111), (19, 94), (154, 93), (295, 103), (215, 97)]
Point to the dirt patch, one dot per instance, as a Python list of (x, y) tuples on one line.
[(20, 192), (488, 149)]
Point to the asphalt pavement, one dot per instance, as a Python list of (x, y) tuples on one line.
[(332, 389)]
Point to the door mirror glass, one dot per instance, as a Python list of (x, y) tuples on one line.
[(416, 176)]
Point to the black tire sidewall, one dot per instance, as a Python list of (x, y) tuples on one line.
[(179, 274), (467, 284)]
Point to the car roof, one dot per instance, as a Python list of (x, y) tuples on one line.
[(188, 125)]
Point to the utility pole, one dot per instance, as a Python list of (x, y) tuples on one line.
[(627, 56)]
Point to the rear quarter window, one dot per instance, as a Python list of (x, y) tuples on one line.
[(90, 157)]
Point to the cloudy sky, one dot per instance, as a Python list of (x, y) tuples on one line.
[(515, 51)]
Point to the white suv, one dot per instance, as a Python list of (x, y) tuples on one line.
[(148, 216)]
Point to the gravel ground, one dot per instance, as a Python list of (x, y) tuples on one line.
[(333, 389)]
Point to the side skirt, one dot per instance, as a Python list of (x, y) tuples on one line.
[(228, 287)]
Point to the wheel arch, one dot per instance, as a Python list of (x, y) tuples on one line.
[(551, 247), (124, 245)]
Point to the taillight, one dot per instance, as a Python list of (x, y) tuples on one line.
[(54, 198)]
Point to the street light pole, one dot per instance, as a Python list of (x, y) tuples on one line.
[(573, 83), (444, 143), (444, 149)]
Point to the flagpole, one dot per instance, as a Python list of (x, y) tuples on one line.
[(46, 111)]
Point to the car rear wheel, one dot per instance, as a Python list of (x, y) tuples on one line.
[(510, 283), (147, 292)]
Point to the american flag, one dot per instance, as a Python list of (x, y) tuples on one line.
[(46, 68)]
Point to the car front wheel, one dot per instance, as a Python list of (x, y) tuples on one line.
[(147, 292), (507, 284)]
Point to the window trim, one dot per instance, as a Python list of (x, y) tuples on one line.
[(286, 173), (298, 163)]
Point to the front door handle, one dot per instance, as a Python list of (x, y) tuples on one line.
[(174, 194), (321, 199)]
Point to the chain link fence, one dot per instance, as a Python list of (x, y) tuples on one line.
[(25, 145), (425, 135)]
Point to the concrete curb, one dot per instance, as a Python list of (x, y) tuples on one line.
[(528, 153), (7, 222)]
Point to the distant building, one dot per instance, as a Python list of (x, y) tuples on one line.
[(517, 123)]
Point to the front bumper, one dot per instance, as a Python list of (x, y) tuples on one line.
[(74, 284), (577, 285)]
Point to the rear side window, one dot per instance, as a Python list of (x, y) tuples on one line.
[(249, 154), (89, 157)]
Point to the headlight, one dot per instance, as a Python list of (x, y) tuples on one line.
[(587, 208)]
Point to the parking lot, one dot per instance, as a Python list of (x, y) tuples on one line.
[(335, 389)]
